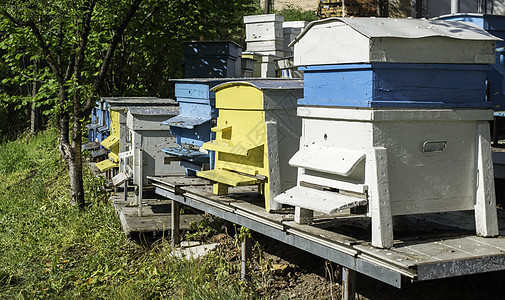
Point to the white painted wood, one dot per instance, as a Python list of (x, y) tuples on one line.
[(486, 221), (119, 179), (321, 201), (365, 40), (420, 182), (263, 27), (274, 178), (378, 193), (303, 216), (332, 182), (331, 160), (385, 114), (123, 155), (264, 45)]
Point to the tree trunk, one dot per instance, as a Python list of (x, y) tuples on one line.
[(35, 116), (74, 162)]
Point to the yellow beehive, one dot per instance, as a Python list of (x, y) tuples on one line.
[(111, 143), (257, 131)]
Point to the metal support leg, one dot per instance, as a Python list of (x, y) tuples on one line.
[(176, 223), (246, 256), (348, 284)]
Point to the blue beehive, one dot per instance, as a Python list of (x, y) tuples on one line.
[(212, 59), (495, 25), (394, 85), (394, 63), (192, 126), (99, 127)]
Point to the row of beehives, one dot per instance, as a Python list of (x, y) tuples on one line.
[(392, 120), (267, 51)]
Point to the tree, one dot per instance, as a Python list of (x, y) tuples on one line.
[(73, 43), (63, 31)]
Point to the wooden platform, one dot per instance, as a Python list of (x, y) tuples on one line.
[(155, 220), (426, 247)]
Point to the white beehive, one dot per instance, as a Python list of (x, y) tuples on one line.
[(148, 137), (264, 34), (290, 31), (396, 161), (368, 40)]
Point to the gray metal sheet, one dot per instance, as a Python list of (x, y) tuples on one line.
[(408, 28), (153, 111), (132, 101), (185, 121), (265, 84)]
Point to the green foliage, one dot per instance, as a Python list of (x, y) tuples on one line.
[(50, 249), (292, 13)]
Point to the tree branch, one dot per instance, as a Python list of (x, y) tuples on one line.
[(97, 85), (42, 43)]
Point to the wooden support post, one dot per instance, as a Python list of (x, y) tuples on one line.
[(378, 193), (486, 221), (303, 216), (246, 256), (220, 189), (126, 190), (176, 223), (348, 284), (140, 182)]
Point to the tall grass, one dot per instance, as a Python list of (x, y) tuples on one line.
[(49, 249)]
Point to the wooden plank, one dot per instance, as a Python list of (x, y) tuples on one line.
[(327, 159), (322, 201), (485, 207), (177, 181), (227, 177), (380, 208)]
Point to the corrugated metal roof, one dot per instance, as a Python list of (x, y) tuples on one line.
[(184, 121), (153, 111), (132, 101), (408, 28), (265, 84)]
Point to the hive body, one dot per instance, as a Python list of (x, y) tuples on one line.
[(256, 136)]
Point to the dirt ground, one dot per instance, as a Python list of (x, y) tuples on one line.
[(301, 275)]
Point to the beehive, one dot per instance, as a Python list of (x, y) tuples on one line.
[(209, 59), (264, 34), (148, 136), (193, 123), (257, 131), (117, 109), (397, 142)]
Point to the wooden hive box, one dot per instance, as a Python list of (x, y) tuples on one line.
[(394, 63), (118, 140), (191, 127), (209, 59), (257, 131), (379, 40), (395, 162), (148, 136)]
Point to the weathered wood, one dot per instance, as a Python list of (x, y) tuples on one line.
[(362, 40), (485, 205), (175, 222), (380, 206), (303, 216)]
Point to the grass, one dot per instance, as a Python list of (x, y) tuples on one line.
[(49, 249)]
